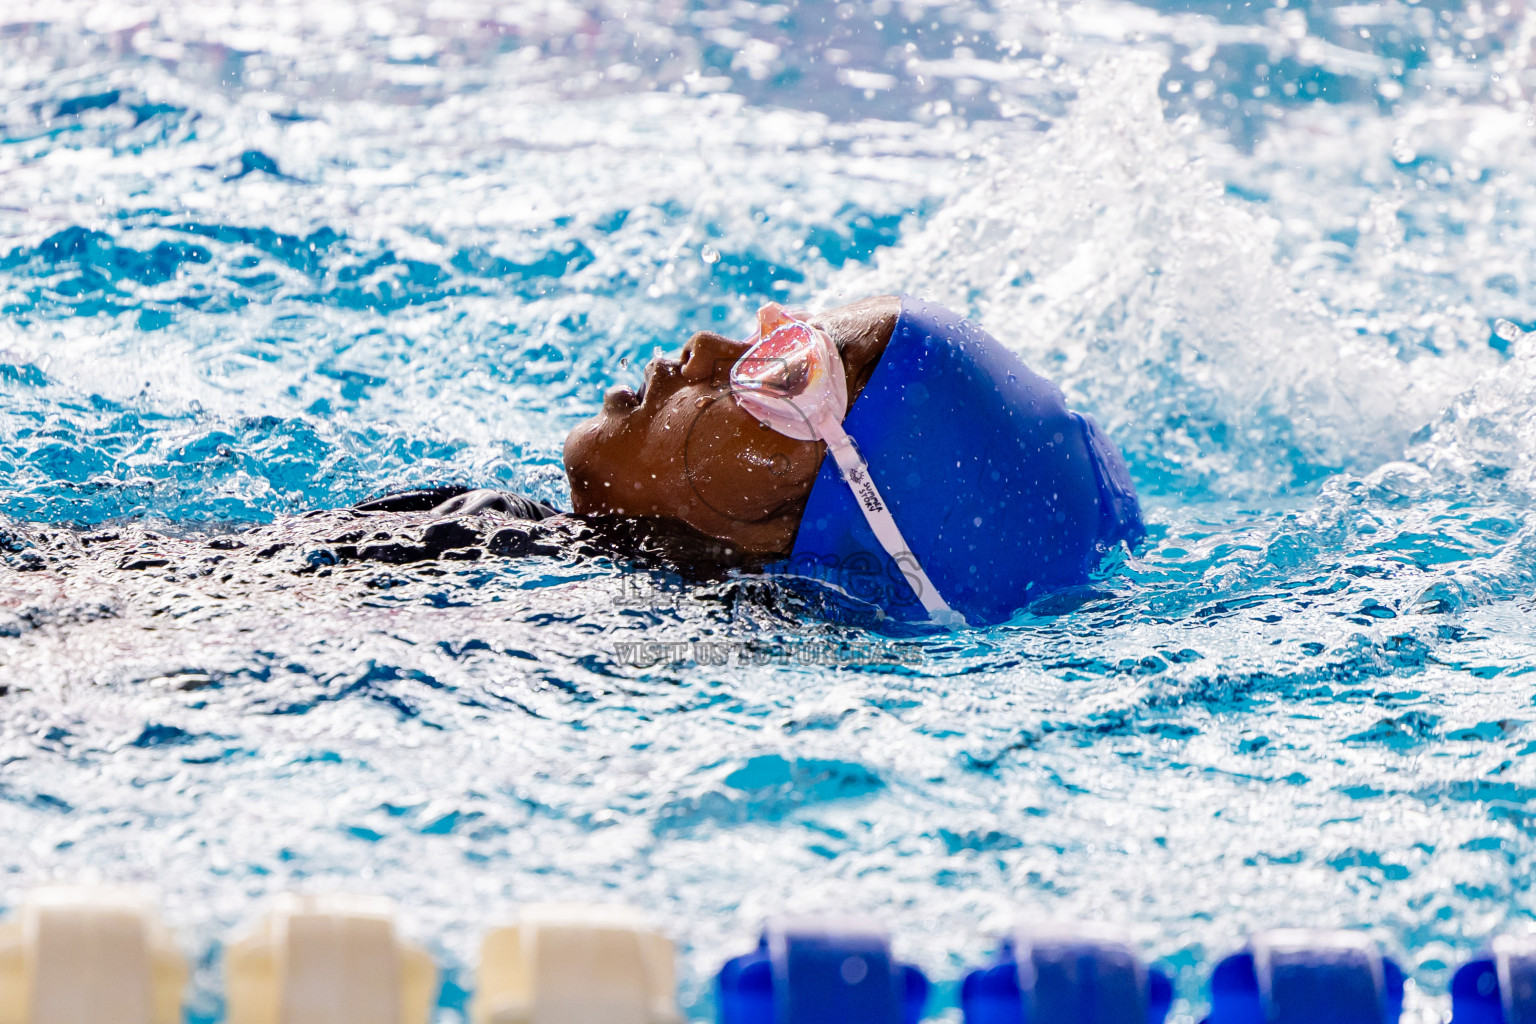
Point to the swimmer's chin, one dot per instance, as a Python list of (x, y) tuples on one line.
[(621, 401)]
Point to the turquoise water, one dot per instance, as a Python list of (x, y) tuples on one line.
[(262, 258)]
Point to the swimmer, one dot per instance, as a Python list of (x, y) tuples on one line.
[(968, 488), (887, 447)]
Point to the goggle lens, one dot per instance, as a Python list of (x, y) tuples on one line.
[(791, 378), (782, 363)]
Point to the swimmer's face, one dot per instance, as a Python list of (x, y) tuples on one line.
[(682, 449)]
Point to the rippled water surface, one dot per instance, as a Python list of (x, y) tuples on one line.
[(264, 258)]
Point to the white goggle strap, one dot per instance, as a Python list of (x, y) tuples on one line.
[(855, 473)]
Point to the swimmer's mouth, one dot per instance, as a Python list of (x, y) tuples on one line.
[(627, 399), (645, 380)]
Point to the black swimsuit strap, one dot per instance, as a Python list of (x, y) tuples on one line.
[(424, 499)]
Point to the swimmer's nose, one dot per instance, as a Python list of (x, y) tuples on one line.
[(710, 356)]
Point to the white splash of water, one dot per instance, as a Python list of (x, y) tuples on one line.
[(1111, 260), (1488, 434)]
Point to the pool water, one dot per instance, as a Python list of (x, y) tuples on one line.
[(261, 258)]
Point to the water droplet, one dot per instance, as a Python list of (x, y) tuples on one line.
[(1507, 330), (709, 254), (624, 363)]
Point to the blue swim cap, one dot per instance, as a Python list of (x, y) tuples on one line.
[(1002, 493)]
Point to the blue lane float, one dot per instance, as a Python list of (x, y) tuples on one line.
[(1081, 975), (1498, 987), (1307, 977), (820, 971)]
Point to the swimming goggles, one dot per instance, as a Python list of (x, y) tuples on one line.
[(791, 379)]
